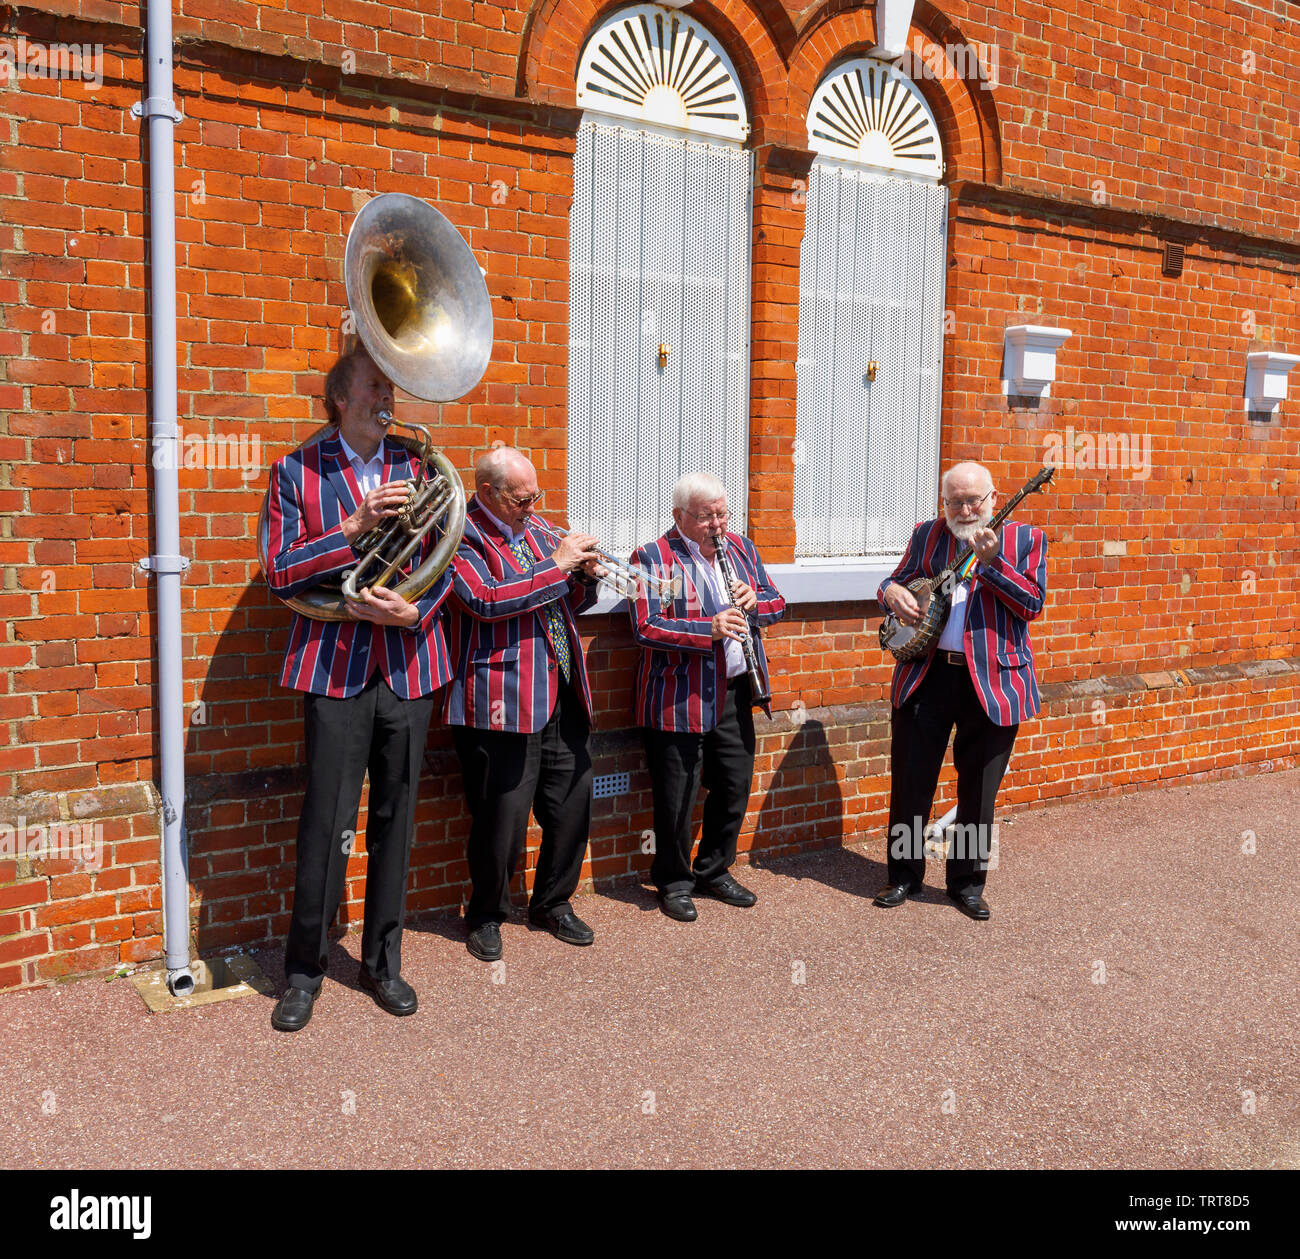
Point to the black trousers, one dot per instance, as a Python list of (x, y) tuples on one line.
[(506, 774), (980, 753), (376, 731), (723, 760)]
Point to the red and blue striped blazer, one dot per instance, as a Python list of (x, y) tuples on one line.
[(313, 490), (1004, 597), (682, 674), (506, 676)]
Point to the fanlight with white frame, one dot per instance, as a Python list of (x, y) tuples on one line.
[(660, 67), (871, 113)]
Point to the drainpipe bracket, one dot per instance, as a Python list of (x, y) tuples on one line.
[(164, 563), (154, 105)]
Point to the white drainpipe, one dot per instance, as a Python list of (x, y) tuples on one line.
[(167, 564)]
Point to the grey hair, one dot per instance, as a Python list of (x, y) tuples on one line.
[(697, 486), (339, 378), (967, 466), (494, 467)]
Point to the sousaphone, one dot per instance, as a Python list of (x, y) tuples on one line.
[(421, 308)]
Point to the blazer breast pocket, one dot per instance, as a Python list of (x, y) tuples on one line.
[(488, 657)]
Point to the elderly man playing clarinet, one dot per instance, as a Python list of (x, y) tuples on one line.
[(694, 694)]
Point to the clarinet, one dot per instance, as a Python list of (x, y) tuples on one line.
[(759, 694)]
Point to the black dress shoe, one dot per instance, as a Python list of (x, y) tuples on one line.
[(727, 890), (566, 926), (972, 904), (395, 995), (893, 896), (485, 942), (293, 1011), (678, 905)]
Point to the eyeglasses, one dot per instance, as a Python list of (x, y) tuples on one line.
[(708, 517), (961, 504), (528, 501)]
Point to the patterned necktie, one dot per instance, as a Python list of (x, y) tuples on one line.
[(556, 630)]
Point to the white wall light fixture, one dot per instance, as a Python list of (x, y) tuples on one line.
[(893, 18), (1266, 373), (1029, 360)]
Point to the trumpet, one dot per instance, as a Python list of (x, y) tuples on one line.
[(623, 579)]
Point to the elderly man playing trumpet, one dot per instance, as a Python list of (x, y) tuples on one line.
[(519, 704), (694, 696)]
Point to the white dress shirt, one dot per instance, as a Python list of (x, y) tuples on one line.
[(369, 472), (512, 535), (954, 629), (713, 575)]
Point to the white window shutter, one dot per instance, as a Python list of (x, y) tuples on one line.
[(871, 289), (659, 254)]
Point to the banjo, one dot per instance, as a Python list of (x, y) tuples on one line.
[(934, 594)]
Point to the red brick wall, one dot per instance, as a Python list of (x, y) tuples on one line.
[(1171, 597)]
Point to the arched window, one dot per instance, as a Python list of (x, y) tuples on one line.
[(659, 275), (871, 294)]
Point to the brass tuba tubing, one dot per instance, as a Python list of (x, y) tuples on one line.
[(423, 314), (422, 510)]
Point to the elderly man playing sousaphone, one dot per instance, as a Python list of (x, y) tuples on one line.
[(368, 684), (979, 678)]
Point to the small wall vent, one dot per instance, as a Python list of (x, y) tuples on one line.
[(605, 785)]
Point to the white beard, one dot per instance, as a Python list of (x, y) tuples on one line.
[(964, 532)]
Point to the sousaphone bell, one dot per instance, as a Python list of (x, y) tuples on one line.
[(421, 309)]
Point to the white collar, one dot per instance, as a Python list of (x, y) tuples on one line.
[(695, 551), (510, 536), (353, 457)]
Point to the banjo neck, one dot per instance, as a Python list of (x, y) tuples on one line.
[(967, 550)]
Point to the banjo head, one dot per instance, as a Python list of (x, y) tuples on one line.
[(906, 642), (894, 635)]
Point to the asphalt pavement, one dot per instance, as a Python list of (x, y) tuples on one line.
[(1133, 1002)]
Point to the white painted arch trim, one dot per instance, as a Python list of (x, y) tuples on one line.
[(870, 113), (658, 66)]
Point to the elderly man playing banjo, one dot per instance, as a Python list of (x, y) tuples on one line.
[(980, 678)]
